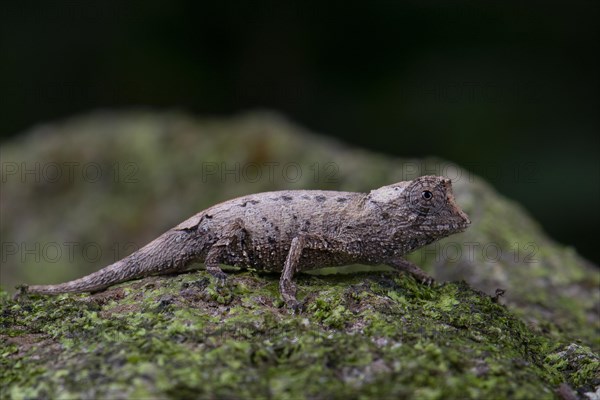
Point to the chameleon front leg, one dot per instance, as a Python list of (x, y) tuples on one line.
[(287, 287), (233, 235), (400, 264)]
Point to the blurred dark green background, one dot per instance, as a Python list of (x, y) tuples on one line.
[(509, 90)]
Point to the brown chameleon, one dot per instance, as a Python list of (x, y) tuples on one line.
[(295, 230)]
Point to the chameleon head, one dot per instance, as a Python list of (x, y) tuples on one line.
[(431, 206), (425, 204)]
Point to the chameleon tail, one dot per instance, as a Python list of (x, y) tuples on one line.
[(173, 251)]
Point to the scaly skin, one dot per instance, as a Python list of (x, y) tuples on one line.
[(293, 231)]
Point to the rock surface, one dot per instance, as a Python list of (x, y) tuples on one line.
[(87, 191)]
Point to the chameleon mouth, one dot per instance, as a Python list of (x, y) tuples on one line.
[(461, 227)]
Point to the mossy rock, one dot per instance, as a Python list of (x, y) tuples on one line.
[(361, 334)]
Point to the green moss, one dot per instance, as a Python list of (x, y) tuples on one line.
[(578, 363), (359, 335)]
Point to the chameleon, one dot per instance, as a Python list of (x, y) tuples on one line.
[(292, 231)]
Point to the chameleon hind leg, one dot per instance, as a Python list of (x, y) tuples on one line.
[(232, 237)]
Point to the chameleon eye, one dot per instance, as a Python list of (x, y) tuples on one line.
[(426, 195)]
